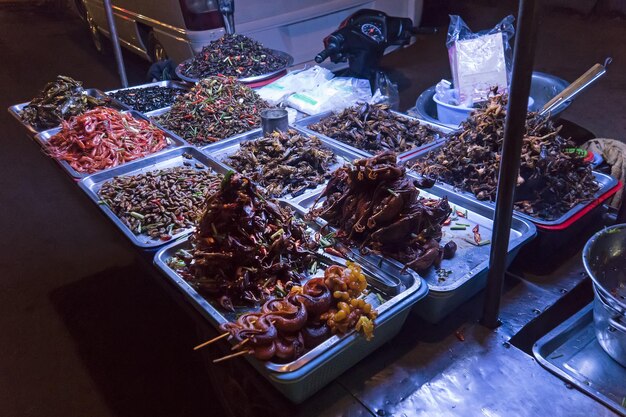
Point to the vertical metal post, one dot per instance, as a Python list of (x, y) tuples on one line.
[(514, 130), (117, 50)]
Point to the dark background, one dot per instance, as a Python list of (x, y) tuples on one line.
[(84, 329)]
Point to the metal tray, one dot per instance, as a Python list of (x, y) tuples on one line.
[(245, 80), (304, 123), (174, 158), (224, 148), (468, 268), (17, 109), (302, 377), (43, 137), (169, 83), (605, 182), (572, 352)]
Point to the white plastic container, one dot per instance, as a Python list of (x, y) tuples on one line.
[(452, 116)]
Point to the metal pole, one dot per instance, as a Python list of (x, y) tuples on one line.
[(514, 129), (116, 43)]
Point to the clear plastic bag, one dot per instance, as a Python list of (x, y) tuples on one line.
[(335, 95), (294, 82), (385, 91), (479, 61)]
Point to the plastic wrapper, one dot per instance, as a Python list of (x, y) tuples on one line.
[(479, 61), (385, 92), (294, 82), (335, 95)]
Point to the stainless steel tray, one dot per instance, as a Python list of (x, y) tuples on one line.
[(16, 110), (605, 182), (411, 284), (572, 352), (169, 83), (151, 114), (224, 148), (459, 278), (305, 122), (43, 137), (174, 158), (245, 80)]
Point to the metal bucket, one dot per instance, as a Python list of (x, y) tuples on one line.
[(543, 87), (604, 257)]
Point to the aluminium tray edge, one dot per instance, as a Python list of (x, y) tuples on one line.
[(303, 124), (180, 85), (606, 183), (87, 186), (174, 142), (16, 109), (245, 80), (339, 151), (551, 338), (418, 288)]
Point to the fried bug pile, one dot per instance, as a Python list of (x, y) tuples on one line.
[(284, 162), (159, 203), (245, 248), (148, 98), (286, 327), (59, 100), (551, 180), (216, 108), (375, 128), (233, 55), (374, 204)]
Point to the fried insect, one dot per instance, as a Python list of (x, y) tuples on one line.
[(374, 204), (552, 179), (375, 128), (284, 162)]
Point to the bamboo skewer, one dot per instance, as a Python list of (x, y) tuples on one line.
[(208, 342), (240, 344), (233, 355)]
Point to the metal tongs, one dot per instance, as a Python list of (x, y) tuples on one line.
[(227, 9), (387, 282), (575, 88)]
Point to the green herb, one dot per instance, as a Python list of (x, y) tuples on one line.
[(458, 228)]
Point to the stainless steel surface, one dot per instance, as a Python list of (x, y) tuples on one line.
[(108, 9), (245, 80), (169, 83), (217, 316), (543, 88), (92, 184), (572, 352), (468, 267), (222, 149), (274, 119), (604, 257), (43, 137), (305, 122), (577, 87), (16, 110), (604, 181)]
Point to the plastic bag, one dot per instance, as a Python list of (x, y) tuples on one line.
[(385, 91), (335, 95), (479, 61), (293, 82)]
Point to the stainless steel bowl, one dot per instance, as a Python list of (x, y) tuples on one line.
[(543, 87), (245, 80), (604, 257)]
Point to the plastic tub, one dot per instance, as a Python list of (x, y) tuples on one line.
[(452, 116)]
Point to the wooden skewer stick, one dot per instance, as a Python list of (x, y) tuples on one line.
[(240, 344), (208, 342), (234, 355)]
